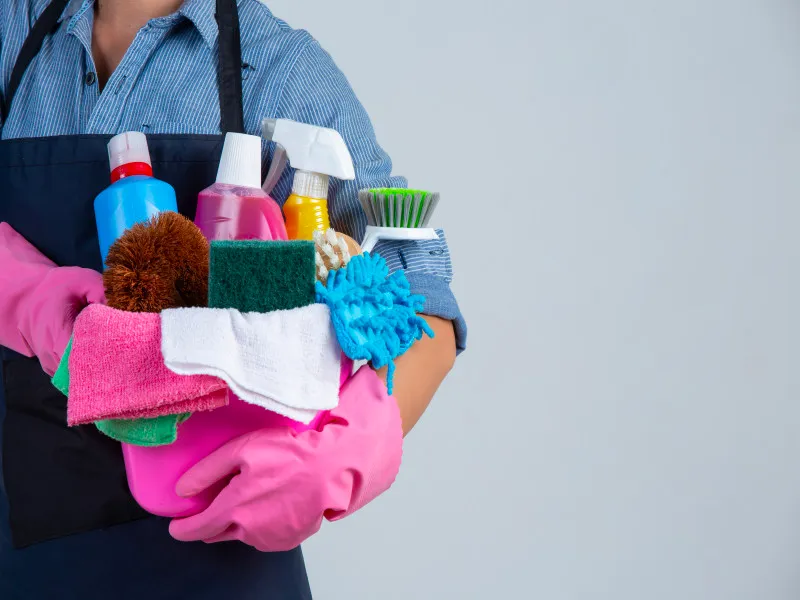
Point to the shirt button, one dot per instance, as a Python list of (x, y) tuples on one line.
[(91, 78)]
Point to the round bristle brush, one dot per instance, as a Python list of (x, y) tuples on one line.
[(333, 251), (159, 264), (397, 214)]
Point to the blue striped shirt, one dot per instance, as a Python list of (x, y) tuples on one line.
[(167, 83)]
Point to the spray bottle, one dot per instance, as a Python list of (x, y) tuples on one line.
[(134, 194), (316, 153)]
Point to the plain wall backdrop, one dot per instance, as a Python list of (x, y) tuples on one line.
[(620, 189)]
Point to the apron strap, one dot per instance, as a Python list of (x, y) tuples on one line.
[(44, 25), (229, 74)]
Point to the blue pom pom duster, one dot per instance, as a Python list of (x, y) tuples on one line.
[(374, 314)]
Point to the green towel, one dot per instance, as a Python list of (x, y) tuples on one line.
[(159, 431), (258, 276), (61, 377)]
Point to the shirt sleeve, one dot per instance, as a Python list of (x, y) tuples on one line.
[(317, 92)]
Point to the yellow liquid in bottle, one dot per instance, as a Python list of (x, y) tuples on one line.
[(304, 216)]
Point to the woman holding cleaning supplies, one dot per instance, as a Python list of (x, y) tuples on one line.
[(184, 73)]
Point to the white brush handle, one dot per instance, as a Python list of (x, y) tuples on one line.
[(374, 234)]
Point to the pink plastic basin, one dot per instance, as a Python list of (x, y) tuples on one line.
[(153, 472)]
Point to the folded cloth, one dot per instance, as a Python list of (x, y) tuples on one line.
[(287, 361), (116, 371), (159, 431), (61, 376)]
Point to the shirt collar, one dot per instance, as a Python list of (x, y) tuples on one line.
[(202, 13), (75, 7)]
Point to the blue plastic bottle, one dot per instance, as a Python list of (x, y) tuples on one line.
[(134, 194)]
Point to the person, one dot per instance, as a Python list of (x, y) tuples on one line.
[(184, 73)]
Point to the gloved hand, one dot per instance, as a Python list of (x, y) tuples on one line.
[(285, 482), (40, 300)]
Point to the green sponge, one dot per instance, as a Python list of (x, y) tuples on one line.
[(258, 276)]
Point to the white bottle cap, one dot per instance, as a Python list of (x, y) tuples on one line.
[(310, 185), (126, 148), (240, 164)]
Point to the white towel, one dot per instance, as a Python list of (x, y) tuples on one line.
[(287, 361)]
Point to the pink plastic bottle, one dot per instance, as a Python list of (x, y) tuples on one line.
[(234, 208)]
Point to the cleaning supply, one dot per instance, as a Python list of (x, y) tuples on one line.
[(286, 361), (333, 251), (155, 431), (116, 371), (60, 378), (236, 207), (256, 276), (142, 432), (281, 485), (374, 313), (316, 153), (145, 433), (397, 214), (158, 264), (248, 276), (40, 300), (134, 194)]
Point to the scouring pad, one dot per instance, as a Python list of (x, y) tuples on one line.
[(260, 276)]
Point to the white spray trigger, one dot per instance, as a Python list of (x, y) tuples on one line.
[(310, 148)]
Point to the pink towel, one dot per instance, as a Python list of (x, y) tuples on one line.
[(117, 371)]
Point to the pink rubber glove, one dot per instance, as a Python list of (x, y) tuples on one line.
[(284, 482), (40, 300)]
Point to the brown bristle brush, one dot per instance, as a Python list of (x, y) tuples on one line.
[(159, 264)]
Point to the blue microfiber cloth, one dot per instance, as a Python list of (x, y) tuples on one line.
[(374, 313)]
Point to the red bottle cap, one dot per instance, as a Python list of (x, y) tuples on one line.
[(126, 170)]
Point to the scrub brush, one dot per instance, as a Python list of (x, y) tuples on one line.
[(397, 214), (333, 251), (159, 264)]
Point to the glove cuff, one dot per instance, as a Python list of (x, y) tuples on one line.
[(373, 420)]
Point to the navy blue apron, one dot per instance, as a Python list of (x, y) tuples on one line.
[(69, 527)]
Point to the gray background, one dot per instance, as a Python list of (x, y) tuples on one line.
[(625, 423)]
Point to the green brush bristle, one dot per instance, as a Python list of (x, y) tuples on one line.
[(384, 207)]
